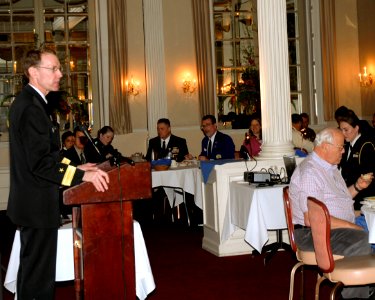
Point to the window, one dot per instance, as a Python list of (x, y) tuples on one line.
[(294, 57), (236, 55), (61, 25)]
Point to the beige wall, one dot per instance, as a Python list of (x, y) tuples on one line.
[(347, 58), (179, 49), (355, 44), (180, 59), (366, 41), (136, 63)]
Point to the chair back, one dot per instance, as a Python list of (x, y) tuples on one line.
[(320, 223), (289, 219)]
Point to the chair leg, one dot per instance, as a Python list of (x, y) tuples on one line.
[(335, 288), (292, 273), (317, 286), (302, 285), (186, 209)]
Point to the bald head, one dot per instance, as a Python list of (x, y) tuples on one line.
[(329, 145)]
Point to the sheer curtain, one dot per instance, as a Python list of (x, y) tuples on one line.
[(203, 46), (328, 44), (119, 114)]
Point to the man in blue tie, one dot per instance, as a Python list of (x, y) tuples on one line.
[(215, 144)]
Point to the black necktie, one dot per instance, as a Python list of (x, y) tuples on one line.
[(350, 150), (83, 159), (209, 146), (163, 146)]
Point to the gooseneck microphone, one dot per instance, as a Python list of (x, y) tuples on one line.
[(117, 158), (87, 134)]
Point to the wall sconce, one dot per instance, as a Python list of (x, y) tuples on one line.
[(365, 79), (189, 86), (133, 87)]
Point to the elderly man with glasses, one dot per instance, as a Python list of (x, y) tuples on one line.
[(319, 177)]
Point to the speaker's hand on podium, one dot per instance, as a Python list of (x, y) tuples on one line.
[(96, 176)]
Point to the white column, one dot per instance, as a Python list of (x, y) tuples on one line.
[(155, 64), (274, 79)]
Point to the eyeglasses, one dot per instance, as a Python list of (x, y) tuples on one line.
[(53, 69), (340, 147), (206, 125)]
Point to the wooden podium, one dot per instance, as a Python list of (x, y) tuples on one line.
[(104, 264)]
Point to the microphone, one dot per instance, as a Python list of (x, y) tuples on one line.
[(245, 154), (87, 134), (128, 160), (117, 158)]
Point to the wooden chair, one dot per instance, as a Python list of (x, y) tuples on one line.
[(348, 271), (303, 257)]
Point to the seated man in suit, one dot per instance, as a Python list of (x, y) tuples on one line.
[(76, 154), (166, 142), (299, 142), (215, 144)]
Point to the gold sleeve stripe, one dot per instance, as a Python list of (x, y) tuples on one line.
[(69, 174), (65, 161)]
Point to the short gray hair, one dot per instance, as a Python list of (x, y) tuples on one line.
[(326, 136)]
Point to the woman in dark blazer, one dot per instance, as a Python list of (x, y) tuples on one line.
[(359, 156)]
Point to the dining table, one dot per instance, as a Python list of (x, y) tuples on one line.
[(65, 261), (369, 213), (179, 180), (256, 210)]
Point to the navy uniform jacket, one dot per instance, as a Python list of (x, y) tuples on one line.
[(36, 171), (73, 156), (93, 156), (361, 161), (174, 142), (223, 147)]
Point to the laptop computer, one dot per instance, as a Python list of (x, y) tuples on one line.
[(290, 165)]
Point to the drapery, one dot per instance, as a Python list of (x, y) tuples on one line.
[(203, 51), (328, 45), (119, 113)]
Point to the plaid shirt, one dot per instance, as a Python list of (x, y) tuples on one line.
[(317, 178)]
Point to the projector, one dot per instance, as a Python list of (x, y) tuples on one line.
[(260, 177)]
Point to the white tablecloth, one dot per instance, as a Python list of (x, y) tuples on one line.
[(187, 178), (65, 261), (254, 210), (369, 213)]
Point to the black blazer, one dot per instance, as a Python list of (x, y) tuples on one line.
[(35, 168), (92, 154), (73, 156), (361, 161), (174, 142)]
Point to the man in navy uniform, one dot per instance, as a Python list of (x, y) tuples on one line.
[(166, 142), (215, 144), (36, 173)]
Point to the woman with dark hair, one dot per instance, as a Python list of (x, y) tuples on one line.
[(359, 156), (104, 150), (67, 140), (253, 139)]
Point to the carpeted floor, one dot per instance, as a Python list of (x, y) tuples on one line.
[(183, 270)]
